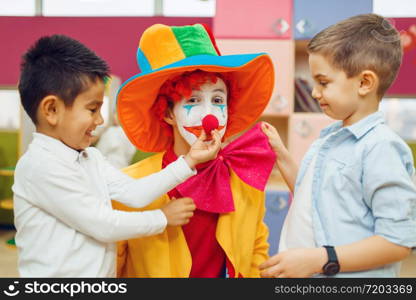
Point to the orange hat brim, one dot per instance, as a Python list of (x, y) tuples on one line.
[(255, 80)]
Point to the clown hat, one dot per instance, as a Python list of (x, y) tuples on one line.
[(167, 51)]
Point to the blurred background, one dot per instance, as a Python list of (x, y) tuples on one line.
[(112, 29)]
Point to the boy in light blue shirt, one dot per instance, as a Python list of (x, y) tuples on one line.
[(355, 181)]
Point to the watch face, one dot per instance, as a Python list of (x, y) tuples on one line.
[(331, 268)]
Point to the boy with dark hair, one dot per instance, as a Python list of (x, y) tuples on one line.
[(354, 207), (65, 224)]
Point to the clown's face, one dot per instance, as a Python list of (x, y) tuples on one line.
[(211, 98)]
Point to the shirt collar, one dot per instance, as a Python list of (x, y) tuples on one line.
[(57, 147), (357, 129)]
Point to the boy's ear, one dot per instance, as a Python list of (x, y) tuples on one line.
[(368, 82), (170, 117), (49, 108)]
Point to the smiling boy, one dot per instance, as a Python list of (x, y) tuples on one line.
[(63, 188), (354, 207)]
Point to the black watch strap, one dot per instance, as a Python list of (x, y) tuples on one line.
[(332, 255), (332, 266)]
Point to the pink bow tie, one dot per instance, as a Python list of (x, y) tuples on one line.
[(250, 157)]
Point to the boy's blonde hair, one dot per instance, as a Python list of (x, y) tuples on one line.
[(362, 42)]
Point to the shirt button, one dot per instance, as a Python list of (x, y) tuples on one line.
[(84, 154)]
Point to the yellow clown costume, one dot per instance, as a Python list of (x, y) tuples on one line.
[(165, 52), (167, 254)]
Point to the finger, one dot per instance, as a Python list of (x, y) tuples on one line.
[(189, 208), (186, 200), (265, 125), (217, 135), (192, 207), (266, 274), (268, 125), (273, 129), (202, 136), (272, 272), (267, 129), (216, 140), (189, 215), (213, 135), (185, 217), (190, 204), (263, 275), (270, 135), (270, 262)]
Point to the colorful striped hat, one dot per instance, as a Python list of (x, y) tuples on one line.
[(167, 51)]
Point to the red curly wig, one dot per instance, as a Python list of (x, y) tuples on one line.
[(175, 89)]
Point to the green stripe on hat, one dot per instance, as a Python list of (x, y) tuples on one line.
[(194, 40)]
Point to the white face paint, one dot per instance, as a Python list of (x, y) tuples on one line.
[(209, 99)]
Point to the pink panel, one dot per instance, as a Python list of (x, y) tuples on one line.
[(404, 84), (114, 39), (253, 19), (282, 55), (305, 128)]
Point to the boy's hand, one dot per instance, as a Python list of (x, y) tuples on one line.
[(274, 138), (179, 211), (285, 162), (203, 151), (295, 263)]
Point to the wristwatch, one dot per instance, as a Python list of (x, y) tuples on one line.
[(332, 266)]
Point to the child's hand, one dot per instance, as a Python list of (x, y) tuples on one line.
[(274, 138), (294, 263), (203, 151), (179, 211)]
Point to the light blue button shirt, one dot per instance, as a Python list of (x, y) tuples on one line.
[(362, 186)]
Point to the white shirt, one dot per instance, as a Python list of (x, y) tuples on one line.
[(116, 147), (297, 230), (65, 224)]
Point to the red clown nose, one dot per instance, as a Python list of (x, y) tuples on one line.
[(209, 123)]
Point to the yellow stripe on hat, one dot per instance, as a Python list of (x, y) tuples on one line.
[(160, 49)]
